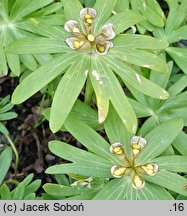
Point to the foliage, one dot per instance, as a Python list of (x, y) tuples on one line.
[(114, 73)]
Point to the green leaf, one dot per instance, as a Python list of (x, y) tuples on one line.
[(6, 108), (89, 138), (179, 34), (116, 131), (114, 190), (134, 41), (37, 46), (5, 192), (124, 20), (31, 196), (104, 11), (29, 62), (18, 192), (42, 76), (180, 57), (61, 190), (159, 139), (23, 8), (14, 63), (7, 116), (180, 143), (3, 129), (118, 8), (178, 86), (5, 161), (169, 180), (27, 180), (67, 92), (174, 163), (85, 163), (33, 187), (118, 97), (100, 90), (3, 63), (72, 9), (153, 192), (140, 58), (135, 80), (150, 13)]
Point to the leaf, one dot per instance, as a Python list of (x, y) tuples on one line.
[(14, 63), (33, 187), (18, 192), (177, 35), (61, 190), (42, 76), (31, 196), (39, 45), (6, 108), (174, 163), (135, 80), (159, 139), (134, 41), (153, 192), (27, 180), (104, 11), (23, 8), (3, 63), (180, 143), (140, 58), (3, 129), (5, 192), (178, 86), (7, 116), (124, 20), (180, 57), (101, 94), (85, 163), (29, 62), (5, 161), (116, 131), (89, 138), (66, 93), (114, 190), (169, 180), (72, 9), (118, 97), (118, 8)]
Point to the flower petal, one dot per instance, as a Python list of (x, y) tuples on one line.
[(88, 13), (118, 171), (74, 43), (137, 182), (117, 148), (108, 31), (137, 140), (72, 26)]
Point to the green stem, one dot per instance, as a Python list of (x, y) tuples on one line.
[(15, 152), (88, 92), (12, 181)]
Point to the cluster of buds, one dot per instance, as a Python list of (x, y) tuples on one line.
[(83, 39), (129, 167)]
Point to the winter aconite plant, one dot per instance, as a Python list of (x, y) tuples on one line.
[(131, 162), (92, 46)]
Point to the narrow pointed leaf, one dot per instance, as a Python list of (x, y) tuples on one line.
[(136, 80), (37, 46), (104, 11), (42, 76), (72, 9), (100, 90), (159, 139), (66, 93), (180, 57), (169, 180), (124, 20), (134, 41), (140, 58), (118, 98), (174, 163)]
